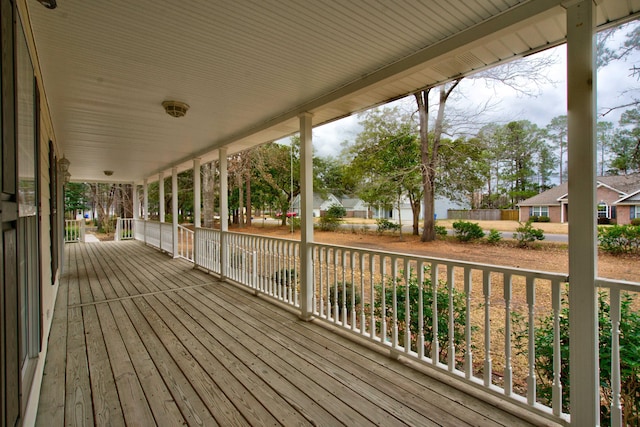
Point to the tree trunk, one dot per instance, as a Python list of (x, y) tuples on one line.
[(208, 194), (240, 199), (415, 210)]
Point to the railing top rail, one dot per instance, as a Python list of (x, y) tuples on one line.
[(622, 285), (185, 228), (559, 277)]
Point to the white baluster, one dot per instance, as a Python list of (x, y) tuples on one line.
[(616, 406), (435, 341), (486, 290), (468, 355), (531, 378), (451, 353), (508, 370)]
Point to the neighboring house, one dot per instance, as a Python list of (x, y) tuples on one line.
[(443, 204), (356, 208), (618, 198), (320, 204)]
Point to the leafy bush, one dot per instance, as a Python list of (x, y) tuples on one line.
[(543, 218), (293, 221), (619, 239), (351, 295), (336, 211), (442, 295), (332, 218), (534, 218), (441, 231), (525, 234), (629, 356), (386, 225), (466, 231), (494, 236), (635, 221)]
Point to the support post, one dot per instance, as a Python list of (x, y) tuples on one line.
[(161, 200), (136, 201), (145, 199), (174, 210), (306, 216), (224, 212), (581, 120), (197, 179)]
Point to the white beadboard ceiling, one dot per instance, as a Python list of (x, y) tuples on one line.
[(248, 68)]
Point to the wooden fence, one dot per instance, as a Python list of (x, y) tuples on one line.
[(483, 214)]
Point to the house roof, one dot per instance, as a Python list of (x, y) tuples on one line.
[(623, 184), (248, 69), (350, 202), (630, 199)]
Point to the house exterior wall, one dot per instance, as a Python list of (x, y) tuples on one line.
[(554, 213), (623, 214), (49, 283)]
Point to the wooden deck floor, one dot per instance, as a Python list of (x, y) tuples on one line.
[(141, 339)]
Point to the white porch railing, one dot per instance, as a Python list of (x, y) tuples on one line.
[(620, 295), (165, 236), (124, 229), (74, 230), (388, 298), (482, 325), (185, 243)]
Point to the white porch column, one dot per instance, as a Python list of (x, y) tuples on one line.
[(196, 192), (145, 199), (224, 211), (306, 217), (136, 200), (174, 209), (583, 319), (161, 200)]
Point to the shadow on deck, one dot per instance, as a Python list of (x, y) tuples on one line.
[(138, 338)]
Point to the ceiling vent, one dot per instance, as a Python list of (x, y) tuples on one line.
[(175, 108)]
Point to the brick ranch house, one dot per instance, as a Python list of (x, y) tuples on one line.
[(618, 198)]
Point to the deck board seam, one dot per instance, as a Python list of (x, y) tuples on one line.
[(164, 291)]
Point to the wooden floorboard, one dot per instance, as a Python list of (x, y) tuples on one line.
[(139, 338)]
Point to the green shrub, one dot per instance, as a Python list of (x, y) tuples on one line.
[(442, 295), (543, 218), (466, 231), (525, 234), (629, 356), (635, 221), (329, 223), (332, 219), (619, 239), (295, 221), (441, 231), (534, 218), (351, 294), (494, 236), (336, 211), (386, 225)]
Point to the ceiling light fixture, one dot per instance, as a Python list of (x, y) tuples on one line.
[(175, 108), (64, 163), (108, 173), (49, 4)]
